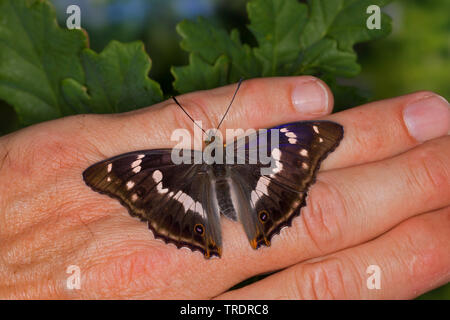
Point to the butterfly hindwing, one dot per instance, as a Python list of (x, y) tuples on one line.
[(173, 198)]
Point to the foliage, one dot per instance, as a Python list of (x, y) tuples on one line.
[(293, 39), (48, 72)]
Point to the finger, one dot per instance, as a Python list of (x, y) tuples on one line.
[(385, 128), (352, 205), (259, 103), (411, 259)]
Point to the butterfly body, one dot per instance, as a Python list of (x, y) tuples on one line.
[(183, 203)]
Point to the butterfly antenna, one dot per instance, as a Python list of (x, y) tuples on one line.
[(228, 109), (176, 101)]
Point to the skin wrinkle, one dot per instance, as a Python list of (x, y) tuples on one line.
[(321, 284), (41, 248), (427, 171), (357, 283), (296, 285), (310, 234), (414, 236), (321, 225), (330, 284), (125, 271)]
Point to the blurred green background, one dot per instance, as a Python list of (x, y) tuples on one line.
[(416, 56)]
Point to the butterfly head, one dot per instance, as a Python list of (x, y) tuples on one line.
[(211, 135)]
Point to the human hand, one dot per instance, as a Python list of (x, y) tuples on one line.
[(382, 198)]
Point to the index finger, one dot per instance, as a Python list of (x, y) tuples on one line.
[(385, 128)]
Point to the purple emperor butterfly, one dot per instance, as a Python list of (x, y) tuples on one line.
[(182, 203)]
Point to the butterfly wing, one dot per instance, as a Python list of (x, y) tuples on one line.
[(174, 199), (276, 198)]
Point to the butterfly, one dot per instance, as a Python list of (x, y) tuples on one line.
[(182, 203)]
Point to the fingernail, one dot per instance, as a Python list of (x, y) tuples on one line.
[(427, 118), (310, 98)]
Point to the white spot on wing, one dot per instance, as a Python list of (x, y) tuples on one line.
[(189, 203), (109, 168), (305, 165), (134, 197), (108, 179), (130, 184), (262, 185), (137, 169), (278, 168), (284, 130), (185, 200), (276, 153), (140, 156), (157, 175), (254, 197), (320, 140), (316, 129), (160, 189), (292, 140), (136, 163), (199, 209), (291, 135), (304, 152)]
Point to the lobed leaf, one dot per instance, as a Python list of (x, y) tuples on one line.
[(35, 56), (47, 72), (116, 80), (293, 39)]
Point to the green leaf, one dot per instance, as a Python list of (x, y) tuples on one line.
[(320, 18), (293, 39), (344, 21), (324, 56), (200, 74), (349, 26), (116, 80), (47, 72), (276, 25), (209, 43), (35, 56), (334, 27)]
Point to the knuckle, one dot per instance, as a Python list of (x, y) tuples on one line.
[(326, 279), (195, 109), (428, 169), (324, 215), (422, 232), (425, 243)]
